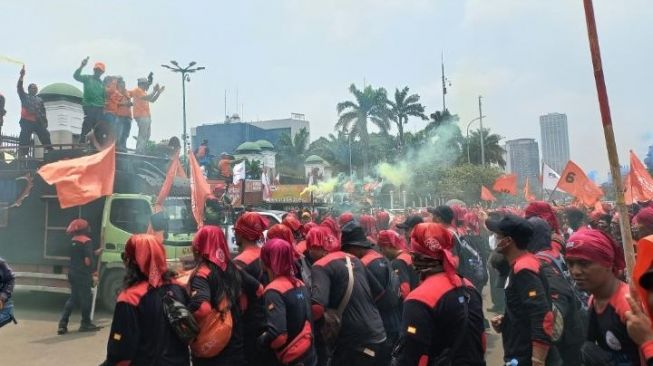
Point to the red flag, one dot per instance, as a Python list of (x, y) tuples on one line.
[(506, 183), (199, 189), (174, 170), (639, 182), (574, 181), (486, 195), (528, 196), (82, 180)]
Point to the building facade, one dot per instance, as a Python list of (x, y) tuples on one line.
[(227, 136), (523, 159), (555, 140)]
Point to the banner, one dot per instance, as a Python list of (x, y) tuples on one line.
[(174, 170), (506, 184), (239, 172), (575, 182), (528, 196), (81, 180), (639, 183)]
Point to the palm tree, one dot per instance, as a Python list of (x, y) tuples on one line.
[(402, 107), (292, 152), (493, 150), (370, 105)]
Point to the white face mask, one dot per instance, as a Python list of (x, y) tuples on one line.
[(492, 241)]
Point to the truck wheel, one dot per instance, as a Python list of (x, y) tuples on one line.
[(110, 288)]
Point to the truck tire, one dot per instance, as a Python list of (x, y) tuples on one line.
[(110, 287)]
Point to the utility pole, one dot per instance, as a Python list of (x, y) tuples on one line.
[(444, 84), (480, 119)]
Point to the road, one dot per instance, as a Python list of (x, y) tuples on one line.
[(34, 341)]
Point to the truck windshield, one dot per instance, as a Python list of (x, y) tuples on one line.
[(180, 215)]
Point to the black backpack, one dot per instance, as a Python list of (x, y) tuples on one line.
[(471, 265), (181, 319)]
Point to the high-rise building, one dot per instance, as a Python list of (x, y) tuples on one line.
[(523, 159), (555, 140)]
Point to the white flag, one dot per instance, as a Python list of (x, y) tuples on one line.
[(239, 172), (549, 178)]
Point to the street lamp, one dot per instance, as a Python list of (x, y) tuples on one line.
[(469, 161), (184, 78)]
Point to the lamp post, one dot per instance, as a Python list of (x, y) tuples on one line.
[(469, 161), (191, 68)]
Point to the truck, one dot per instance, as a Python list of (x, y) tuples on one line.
[(33, 237)]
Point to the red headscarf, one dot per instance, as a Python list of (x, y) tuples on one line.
[(643, 264), (345, 218), (435, 241), (251, 226), (390, 238), (281, 231), (321, 237), (210, 243), (382, 220), (368, 224), (544, 211), (308, 226), (149, 255), (596, 246), (332, 225), (76, 226), (644, 217), (291, 221), (279, 256)]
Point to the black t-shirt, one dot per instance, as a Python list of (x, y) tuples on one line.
[(607, 328), (528, 316), (432, 319), (81, 257), (140, 332), (361, 321)]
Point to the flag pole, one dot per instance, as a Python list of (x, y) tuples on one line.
[(608, 133)]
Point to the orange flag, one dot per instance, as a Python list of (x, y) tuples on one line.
[(640, 183), (82, 180), (486, 195), (199, 189), (506, 183), (574, 181), (528, 196), (174, 170)]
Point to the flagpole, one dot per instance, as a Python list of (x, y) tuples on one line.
[(608, 133)]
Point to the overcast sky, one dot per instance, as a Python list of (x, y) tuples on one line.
[(526, 57)]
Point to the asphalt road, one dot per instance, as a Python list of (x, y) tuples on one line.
[(34, 341)]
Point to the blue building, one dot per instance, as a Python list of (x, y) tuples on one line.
[(227, 136)]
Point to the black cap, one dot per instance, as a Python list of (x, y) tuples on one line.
[(518, 228), (410, 222), (353, 234)]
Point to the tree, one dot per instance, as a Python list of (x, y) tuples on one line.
[(402, 107), (253, 169), (493, 150), (370, 105), (292, 153)]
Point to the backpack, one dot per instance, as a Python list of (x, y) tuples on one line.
[(391, 297), (471, 264), (181, 319)]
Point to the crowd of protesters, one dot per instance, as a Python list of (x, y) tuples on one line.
[(109, 108), (372, 289)]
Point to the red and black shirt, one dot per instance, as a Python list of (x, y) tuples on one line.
[(289, 321), (403, 266), (607, 327), (140, 333), (528, 318), (378, 269), (81, 257), (432, 319), (361, 322)]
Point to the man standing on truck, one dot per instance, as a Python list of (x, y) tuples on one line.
[(141, 109), (93, 100), (32, 116), (81, 275)]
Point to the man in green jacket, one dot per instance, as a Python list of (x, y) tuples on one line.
[(93, 100)]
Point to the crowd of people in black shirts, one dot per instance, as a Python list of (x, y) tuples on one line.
[(109, 108), (368, 290)]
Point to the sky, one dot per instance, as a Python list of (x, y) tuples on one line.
[(525, 57)]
